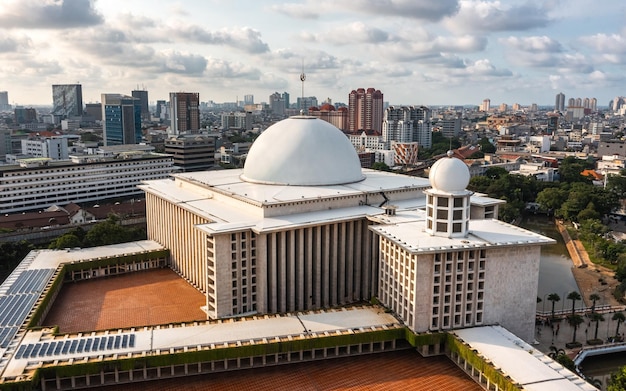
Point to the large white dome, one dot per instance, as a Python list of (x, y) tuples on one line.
[(449, 174), (302, 151)]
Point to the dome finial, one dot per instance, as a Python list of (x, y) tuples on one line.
[(450, 153)]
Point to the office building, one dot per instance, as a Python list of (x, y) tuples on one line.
[(559, 103), (191, 152), (55, 148), (240, 120), (6, 146), (115, 172), (305, 103), (365, 110), (248, 100), (94, 111), (67, 100), (277, 105), (407, 124), (142, 95), (184, 112), (450, 125), (121, 119), (486, 105), (25, 115), (4, 101)]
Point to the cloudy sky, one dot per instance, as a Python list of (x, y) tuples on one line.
[(415, 51)]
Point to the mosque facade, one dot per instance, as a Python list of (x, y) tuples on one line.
[(303, 227)]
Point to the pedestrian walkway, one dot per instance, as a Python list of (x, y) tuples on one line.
[(559, 333)]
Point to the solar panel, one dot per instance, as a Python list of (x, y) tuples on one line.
[(73, 346), (116, 344), (103, 341), (51, 348), (88, 344), (36, 350), (58, 347), (20, 351), (124, 341), (131, 343), (81, 345), (66, 346)]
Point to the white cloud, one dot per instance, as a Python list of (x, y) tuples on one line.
[(484, 15), (48, 14)]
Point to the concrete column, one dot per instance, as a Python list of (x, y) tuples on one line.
[(282, 272), (342, 263), (333, 259), (301, 265), (317, 256), (326, 268), (309, 268), (291, 263)]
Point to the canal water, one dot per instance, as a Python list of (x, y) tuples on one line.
[(555, 267), (555, 276)]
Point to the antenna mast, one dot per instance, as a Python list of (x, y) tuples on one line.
[(302, 79)]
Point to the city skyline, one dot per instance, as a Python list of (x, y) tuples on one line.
[(415, 52)]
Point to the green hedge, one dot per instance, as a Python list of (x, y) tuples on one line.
[(234, 352), (112, 261), (57, 284), (494, 375)]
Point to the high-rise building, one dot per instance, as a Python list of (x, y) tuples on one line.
[(192, 152), (161, 108), (248, 99), (6, 147), (593, 104), (142, 95), (305, 103), (328, 113), (285, 96), (67, 100), (277, 104), (559, 103), (486, 105), (121, 119), (25, 115), (94, 110), (184, 112), (4, 101), (407, 124), (365, 110)]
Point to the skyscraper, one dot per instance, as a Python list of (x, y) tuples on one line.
[(185, 112), (277, 104), (4, 101), (248, 99), (67, 100), (365, 110), (121, 119), (486, 106), (559, 103), (407, 124), (142, 95)]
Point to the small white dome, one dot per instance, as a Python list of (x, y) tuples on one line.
[(449, 174), (302, 151)]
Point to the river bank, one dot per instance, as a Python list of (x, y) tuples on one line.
[(590, 278)]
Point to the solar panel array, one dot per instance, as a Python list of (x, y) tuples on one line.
[(19, 299), (100, 344)]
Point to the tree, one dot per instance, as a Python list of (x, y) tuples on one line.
[(575, 320), (618, 380), (380, 166), (594, 297), (67, 240), (574, 297), (596, 317), (619, 317), (553, 297), (551, 198), (486, 146)]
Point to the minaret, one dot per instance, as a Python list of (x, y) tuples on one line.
[(448, 201)]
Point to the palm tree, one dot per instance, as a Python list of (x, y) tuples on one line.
[(574, 296), (575, 320), (620, 318), (596, 317), (594, 297), (553, 297)]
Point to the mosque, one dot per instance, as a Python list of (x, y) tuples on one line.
[(289, 251), (303, 227)]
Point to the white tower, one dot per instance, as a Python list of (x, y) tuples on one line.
[(448, 202)]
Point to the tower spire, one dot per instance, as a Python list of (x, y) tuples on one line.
[(302, 79)]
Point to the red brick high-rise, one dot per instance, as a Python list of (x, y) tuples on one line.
[(365, 110)]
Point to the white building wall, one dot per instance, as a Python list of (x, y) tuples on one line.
[(510, 279)]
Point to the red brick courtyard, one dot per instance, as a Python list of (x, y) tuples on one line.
[(161, 296)]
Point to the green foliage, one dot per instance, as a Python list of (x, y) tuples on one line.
[(440, 145), (567, 362), (104, 233), (486, 146), (617, 185), (618, 380), (551, 198), (11, 254), (571, 168), (380, 166)]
